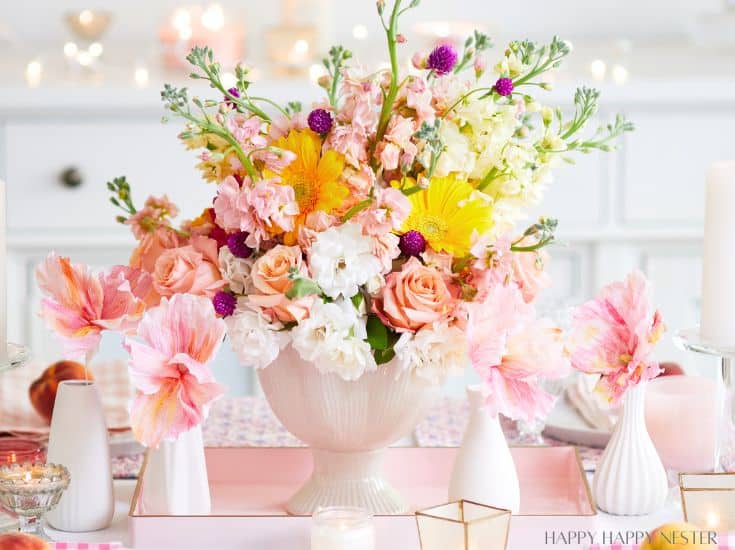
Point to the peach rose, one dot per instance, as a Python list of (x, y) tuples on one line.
[(413, 298), (151, 246), (270, 277), (529, 273), (190, 269)]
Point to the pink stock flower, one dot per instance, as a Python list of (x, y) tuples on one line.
[(282, 125), (246, 130), (512, 350), (168, 367), (155, 213), (79, 305), (190, 269), (615, 334), (387, 212), (351, 141), (397, 149), (258, 208), (385, 248), (415, 297)]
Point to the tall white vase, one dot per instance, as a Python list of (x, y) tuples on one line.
[(176, 482), (484, 470), (630, 478), (78, 440)]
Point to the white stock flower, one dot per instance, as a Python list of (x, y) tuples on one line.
[(256, 342), (433, 352), (333, 339), (341, 260), (236, 271)]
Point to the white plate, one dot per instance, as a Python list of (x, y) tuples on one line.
[(565, 424)]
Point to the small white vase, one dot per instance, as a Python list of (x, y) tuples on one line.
[(78, 440), (630, 478), (176, 482), (484, 470)]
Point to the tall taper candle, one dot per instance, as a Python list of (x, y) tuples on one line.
[(3, 276), (718, 269)]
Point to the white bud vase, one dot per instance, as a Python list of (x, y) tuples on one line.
[(630, 478), (484, 470), (78, 440), (176, 481)]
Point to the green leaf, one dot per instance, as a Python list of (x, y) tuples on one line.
[(382, 356), (302, 287), (357, 300), (377, 333)]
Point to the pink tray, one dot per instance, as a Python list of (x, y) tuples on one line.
[(249, 487)]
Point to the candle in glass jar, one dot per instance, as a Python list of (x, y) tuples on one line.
[(342, 529), (718, 264), (682, 419)]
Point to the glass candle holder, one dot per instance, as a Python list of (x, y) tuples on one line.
[(463, 525), (342, 528), (16, 450), (708, 500), (31, 490)]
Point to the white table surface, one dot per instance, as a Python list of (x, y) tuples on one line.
[(530, 533)]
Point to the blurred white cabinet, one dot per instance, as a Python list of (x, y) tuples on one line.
[(638, 208)]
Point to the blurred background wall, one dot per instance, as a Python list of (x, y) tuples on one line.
[(79, 105)]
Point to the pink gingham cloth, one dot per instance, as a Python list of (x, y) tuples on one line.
[(724, 542), (86, 546), (18, 415)]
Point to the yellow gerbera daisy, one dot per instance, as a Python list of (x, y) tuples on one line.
[(314, 176), (446, 216)]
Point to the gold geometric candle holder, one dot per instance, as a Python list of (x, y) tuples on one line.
[(708, 500), (463, 525)]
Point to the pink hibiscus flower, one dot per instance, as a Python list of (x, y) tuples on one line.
[(168, 367), (79, 305), (615, 334), (512, 351)]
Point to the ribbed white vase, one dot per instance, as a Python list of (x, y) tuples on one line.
[(484, 470), (630, 478), (78, 440), (176, 481), (348, 425)]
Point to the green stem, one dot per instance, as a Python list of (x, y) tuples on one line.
[(387, 109), (269, 102), (487, 180), (362, 205), (533, 248)]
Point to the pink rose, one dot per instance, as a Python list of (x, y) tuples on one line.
[(151, 246), (413, 298), (190, 269), (270, 277), (529, 273)]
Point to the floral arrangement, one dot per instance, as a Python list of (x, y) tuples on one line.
[(377, 227), (614, 335)]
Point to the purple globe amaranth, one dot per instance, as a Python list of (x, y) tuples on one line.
[(320, 121), (442, 59), (234, 92), (504, 86), (236, 244), (412, 243), (224, 303)]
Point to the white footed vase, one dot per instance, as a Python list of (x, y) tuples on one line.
[(176, 481), (348, 425), (484, 470), (631, 479), (78, 440)]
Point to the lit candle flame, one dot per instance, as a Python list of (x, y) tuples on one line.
[(713, 519)]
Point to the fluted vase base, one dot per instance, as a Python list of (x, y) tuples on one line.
[(347, 479)]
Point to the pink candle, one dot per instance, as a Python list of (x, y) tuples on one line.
[(682, 418)]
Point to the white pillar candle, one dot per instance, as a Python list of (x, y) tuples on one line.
[(3, 276), (342, 529), (718, 269)]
